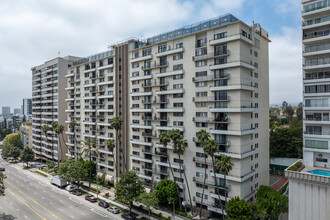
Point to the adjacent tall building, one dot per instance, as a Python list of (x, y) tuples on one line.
[(48, 105), (5, 110), (27, 107), (309, 187), (212, 75)]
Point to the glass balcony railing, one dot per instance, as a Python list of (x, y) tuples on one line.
[(316, 6)]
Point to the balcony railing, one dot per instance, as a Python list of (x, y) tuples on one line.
[(210, 78), (211, 55)]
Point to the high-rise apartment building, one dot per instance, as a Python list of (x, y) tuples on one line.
[(5, 110), (309, 186), (48, 105), (27, 107), (212, 75), (17, 111)]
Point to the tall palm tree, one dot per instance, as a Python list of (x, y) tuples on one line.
[(73, 125), (111, 145), (116, 123), (59, 131), (211, 147), (202, 137), (180, 145), (45, 129), (54, 126), (164, 139), (89, 146), (225, 165)]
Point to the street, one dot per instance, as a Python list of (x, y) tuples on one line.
[(30, 196)]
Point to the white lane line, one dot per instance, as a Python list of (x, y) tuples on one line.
[(60, 209), (25, 216), (99, 213), (60, 201), (42, 183), (72, 216), (57, 191), (73, 200), (83, 213)]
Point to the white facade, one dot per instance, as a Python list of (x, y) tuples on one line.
[(316, 79)]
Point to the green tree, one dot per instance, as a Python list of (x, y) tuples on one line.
[(14, 152), (2, 185), (179, 147), (89, 147), (166, 192), (203, 136), (54, 125), (129, 188), (111, 145), (149, 200), (116, 123), (86, 165), (59, 131), (73, 125), (289, 112), (165, 139), (45, 129), (271, 203), (72, 170), (238, 209), (299, 112), (225, 165), (27, 155), (14, 139)]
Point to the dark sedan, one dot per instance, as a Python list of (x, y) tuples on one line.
[(104, 204)]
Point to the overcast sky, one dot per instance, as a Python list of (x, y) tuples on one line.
[(33, 31)]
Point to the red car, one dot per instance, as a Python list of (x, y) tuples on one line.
[(91, 198)]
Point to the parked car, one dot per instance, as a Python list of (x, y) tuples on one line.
[(2, 169), (113, 209), (104, 204), (70, 187), (76, 192), (91, 198), (127, 217)]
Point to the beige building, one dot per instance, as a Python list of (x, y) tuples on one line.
[(25, 132), (212, 75), (48, 105)]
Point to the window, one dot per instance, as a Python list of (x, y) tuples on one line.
[(178, 86), (201, 114), (201, 175), (178, 67), (177, 123), (200, 104), (177, 104), (200, 51), (202, 73), (180, 95), (200, 94), (146, 52), (135, 82), (200, 195), (255, 53), (316, 144), (256, 75), (201, 42), (256, 115), (180, 76), (201, 84), (201, 165), (201, 63), (201, 124), (178, 56), (178, 45), (135, 65), (201, 185), (162, 48), (136, 54), (256, 43), (178, 114), (220, 35)]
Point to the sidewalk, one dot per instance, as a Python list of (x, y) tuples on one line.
[(105, 190)]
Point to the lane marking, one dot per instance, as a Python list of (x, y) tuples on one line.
[(41, 183), (32, 199), (98, 212), (25, 203), (73, 200)]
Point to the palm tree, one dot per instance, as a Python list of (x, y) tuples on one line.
[(203, 136), (164, 139), (180, 145), (45, 129), (225, 165), (211, 147), (73, 125), (54, 126), (87, 148), (59, 131), (116, 123), (111, 145)]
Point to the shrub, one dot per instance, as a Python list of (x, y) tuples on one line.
[(295, 166)]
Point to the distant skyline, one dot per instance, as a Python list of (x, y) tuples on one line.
[(35, 31)]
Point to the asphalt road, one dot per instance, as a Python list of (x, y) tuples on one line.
[(31, 196)]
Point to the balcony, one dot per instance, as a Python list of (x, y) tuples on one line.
[(170, 109), (141, 77), (162, 146), (235, 178), (105, 67), (210, 183), (89, 122), (317, 120), (210, 78), (169, 91), (231, 38), (231, 109), (105, 165), (89, 85), (160, 101), (155, 84), (241, 63), (317, 64), (170, 51), (211, 55), (210, 98), (224, 120), (104, 110), (69, 88), (105, 151), (141, 126), (237, 155), (166, 164), (202, 160), (143, 176), (138, 158), (108, 96), (140, 94), (160, 118), (138, 59), (232, 87), (89, 97), (149, 134), (141, 142), (69, 110), (141, 110), (169, 128), (232, 132), (155, 170), (170, 73)]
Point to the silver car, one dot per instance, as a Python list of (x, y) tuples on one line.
[(113, 209)]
